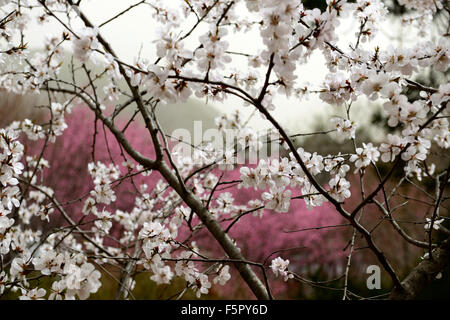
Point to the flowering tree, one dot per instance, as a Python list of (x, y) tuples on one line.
[(190, 193)]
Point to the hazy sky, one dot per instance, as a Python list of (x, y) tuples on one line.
[(133, 33)]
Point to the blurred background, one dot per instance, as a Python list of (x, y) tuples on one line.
[(316, 254)]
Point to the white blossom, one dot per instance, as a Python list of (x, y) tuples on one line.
[(85, 43), (280, 267), (436, 224)]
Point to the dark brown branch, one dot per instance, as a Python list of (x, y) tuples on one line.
[(424, 274)]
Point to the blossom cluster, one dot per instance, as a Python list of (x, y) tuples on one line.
[(278, 175), (10, 168), (195, 57)]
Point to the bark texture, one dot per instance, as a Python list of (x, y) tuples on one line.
[(425, 273)]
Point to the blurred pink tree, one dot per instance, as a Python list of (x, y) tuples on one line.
[(308, 249)]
